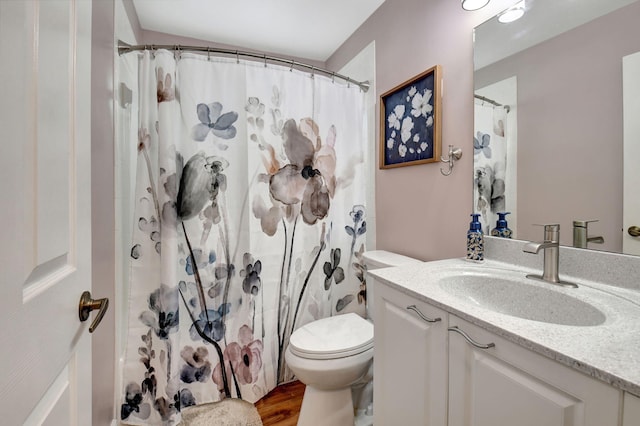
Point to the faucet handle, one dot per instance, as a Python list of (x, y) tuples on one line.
[(551, 232), (583, 223)]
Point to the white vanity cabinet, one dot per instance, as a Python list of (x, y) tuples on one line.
[(509, 385), (410, 361)]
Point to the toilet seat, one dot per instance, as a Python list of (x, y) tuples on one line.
[(334, 337)]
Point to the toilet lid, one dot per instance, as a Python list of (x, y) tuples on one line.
[(334, 337)]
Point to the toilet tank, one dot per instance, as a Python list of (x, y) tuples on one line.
[(377, 259)]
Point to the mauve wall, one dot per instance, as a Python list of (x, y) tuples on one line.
[(420, 212), (570, 126)]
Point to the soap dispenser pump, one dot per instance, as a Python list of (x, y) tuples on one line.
[(502, 229), (475, 239)]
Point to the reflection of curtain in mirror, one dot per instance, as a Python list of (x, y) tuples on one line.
[(490, 163)]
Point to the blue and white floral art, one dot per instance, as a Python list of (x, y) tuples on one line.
[(410, 122)]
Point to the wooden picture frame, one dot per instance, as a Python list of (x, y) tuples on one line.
[(411, 121)]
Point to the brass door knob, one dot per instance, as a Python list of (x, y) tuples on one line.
[(634, 231), (87, 304)]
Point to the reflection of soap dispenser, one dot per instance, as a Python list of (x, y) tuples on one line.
[(501, 230), (475, 240)]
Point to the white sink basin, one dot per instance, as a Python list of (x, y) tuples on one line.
[(517, 296)]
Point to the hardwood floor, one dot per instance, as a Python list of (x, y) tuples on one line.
[(281, 406)]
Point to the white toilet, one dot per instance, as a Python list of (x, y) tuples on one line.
[(331, 354)]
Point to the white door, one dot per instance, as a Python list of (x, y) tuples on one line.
[(45, 250), (631, 117)]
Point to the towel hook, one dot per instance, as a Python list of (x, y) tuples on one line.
[(454, 155)]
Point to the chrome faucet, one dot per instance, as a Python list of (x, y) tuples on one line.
[(551, 253), (580, 234)]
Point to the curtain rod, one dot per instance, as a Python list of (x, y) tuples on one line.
[(126, 48), (487, 100), (491, 101)]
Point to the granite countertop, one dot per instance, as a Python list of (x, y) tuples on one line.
[(609, 351)]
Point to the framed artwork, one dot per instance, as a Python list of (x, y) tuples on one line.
[(411, 121)]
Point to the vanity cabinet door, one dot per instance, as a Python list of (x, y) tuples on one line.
[(410, 361), (509, 385), (631, 416)]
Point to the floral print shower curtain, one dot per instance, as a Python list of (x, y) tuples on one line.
[(250, 222)]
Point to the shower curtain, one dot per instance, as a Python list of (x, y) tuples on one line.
[(490, 163), (250, 221)]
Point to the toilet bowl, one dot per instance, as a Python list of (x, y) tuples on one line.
[(328, 356), (332, 354)]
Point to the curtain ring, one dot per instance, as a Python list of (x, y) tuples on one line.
[(265, 60), (208, 53), (292, 64), (333, 77), (313, 71), (237, 57)]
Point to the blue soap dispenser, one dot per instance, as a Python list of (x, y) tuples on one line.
[(475, 239), (502, 229)]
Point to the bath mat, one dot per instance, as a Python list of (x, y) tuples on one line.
[(228, 412)]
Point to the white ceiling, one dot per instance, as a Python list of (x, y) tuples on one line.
[(310, 29)]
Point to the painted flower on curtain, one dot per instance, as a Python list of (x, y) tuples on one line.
[(133, 403), (201, 260), (359, 225), (309, 177), (197, 367), (163, 317), (210, 324), (302, 182), (242, 358), (251, 282), (201, 181), (213, 120), (165, 92), (355, 231), (481, 144), (332, 269)]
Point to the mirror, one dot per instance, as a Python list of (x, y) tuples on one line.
[(548, 132)]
